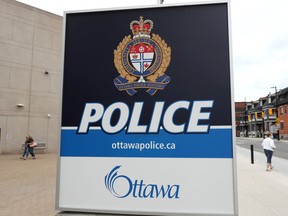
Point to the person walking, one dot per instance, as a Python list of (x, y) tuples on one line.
[(26, 149), (268, 146), (29, 146)]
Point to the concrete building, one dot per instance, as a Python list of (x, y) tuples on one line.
[(30, 76)]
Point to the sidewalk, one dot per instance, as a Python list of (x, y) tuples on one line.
[(260, 192), (28, 187)]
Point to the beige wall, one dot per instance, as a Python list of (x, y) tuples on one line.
[(30, 44)]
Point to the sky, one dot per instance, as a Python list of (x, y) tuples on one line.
[(259, 35)]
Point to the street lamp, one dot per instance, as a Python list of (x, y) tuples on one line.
[(276, 111)]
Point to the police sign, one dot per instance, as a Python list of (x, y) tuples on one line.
[(147, 116), (94, 112)]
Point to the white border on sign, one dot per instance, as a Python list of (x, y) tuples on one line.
[(235, 191)]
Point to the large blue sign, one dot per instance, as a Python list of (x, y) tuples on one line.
[(146, 96)]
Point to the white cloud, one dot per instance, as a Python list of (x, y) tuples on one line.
[(260, 47)]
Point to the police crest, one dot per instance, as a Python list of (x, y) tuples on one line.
[(142, 61)]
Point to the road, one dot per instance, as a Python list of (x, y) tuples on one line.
[(281, 150)]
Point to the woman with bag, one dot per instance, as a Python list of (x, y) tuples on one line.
[(26, 149), (31, 145)]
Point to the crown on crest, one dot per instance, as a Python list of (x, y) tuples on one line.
[(141, 28)]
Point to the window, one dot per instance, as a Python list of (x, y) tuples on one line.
[(281, 110), (281, 125), (271, 111)]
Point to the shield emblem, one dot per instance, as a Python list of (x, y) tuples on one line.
[(141, 56)]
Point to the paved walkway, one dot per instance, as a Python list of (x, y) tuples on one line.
[(261, 192), (28, 187)]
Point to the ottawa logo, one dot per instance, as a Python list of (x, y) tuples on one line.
[(121, 186), (142, 61)]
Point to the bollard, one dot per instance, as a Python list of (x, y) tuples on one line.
[(252, 154)]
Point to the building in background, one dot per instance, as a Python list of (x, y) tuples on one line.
[(30, 76), (244, 120), (283, 113), (268, 114), (240, 108)]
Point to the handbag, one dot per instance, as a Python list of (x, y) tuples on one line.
[(33, 145)]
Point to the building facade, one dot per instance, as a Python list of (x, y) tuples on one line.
[(30, 71), (268, 114), (283, 113), (240, 108)]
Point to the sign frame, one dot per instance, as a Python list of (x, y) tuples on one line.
[(61, 172)]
